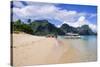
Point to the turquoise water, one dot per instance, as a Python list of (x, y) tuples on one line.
[(86, 45)]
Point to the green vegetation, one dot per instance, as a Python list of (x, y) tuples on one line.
[(43, 27), (18, 26), (38, 27), (83, 30)]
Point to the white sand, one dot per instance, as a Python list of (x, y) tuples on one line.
[(34, 50)]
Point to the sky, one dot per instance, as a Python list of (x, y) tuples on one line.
[(55, 13)]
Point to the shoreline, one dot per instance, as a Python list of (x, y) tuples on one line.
[(36, 50)]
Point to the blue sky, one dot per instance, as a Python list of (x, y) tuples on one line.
[(57, 14), (81, 8)]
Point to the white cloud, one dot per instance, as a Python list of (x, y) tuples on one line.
[(82, 18), (50, 11), (82, 21), (93, 27), (93, 15), (18, 4), (45, 11)]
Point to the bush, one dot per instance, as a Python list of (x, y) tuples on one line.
[(18, 26), (17, 32)]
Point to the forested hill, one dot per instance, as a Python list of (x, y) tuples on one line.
[(43, 27), (38, 27)]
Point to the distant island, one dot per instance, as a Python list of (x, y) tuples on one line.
[(44, 27)]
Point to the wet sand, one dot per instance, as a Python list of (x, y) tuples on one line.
[(35, 50)]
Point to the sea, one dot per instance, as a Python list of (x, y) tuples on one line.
[(85, 45)]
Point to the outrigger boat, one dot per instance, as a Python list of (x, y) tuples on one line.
[(72, 36)]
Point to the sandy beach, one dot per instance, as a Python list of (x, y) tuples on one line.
[(44, 33), (34, 50)]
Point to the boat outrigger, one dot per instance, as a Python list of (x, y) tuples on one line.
[(72, 36)]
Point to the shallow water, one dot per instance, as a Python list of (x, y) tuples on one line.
[(32, 50), (86, 46)]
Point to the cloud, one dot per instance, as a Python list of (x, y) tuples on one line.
[(82, 21), (18, 4), (47, 11)]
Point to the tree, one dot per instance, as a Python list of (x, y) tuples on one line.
[(29, 21)]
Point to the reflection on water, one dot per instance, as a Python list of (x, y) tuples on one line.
[(86, 46)]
